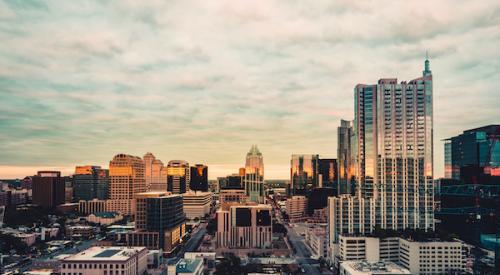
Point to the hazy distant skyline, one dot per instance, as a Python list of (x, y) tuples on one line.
[(204, 80)]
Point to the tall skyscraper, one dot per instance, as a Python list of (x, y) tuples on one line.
[(177, 176), (327, 173), (303, 173), (393, 130), (48, 189), (393, 155), (254, 175), (90, 182), (126, 178), (473, 157), (199, 178), (148, 158), (345, 162)]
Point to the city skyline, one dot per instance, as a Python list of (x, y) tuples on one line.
[(137, 78)]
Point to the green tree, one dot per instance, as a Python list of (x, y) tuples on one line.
[(229, 265)]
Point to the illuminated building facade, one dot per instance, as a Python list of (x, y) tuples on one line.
[(177, 176), (199, 178), (327, 173), (126, 178), (90, 182), (393, 159), (393, 150), (346, 179), (303, 173), (254, 175)]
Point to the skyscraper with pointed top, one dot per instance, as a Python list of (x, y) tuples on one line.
[(254, 175), (393, 158)]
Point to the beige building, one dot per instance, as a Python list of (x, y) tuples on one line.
[(155, 173), (419, 257), (92, 206), (126, 178), (371, 268), (244, 226), (197, 204), (229, 196), (110, 260), (296, 207), (317, 241)]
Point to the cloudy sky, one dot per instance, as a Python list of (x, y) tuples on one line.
[(81, 81)]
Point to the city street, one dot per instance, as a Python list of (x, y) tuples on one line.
[(192, 244)]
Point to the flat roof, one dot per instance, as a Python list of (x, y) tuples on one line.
[(108, 253), (364, 267)]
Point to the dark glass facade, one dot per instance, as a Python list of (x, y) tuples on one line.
[(234, 181), (318, 198), (473, 157), (164, 213), (303, 173), (243, 217), (328, 172), (48, 189), (263, 218), (199, 178), (90, 182)]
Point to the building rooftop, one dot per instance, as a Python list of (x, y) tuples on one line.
[(188, 265), (106, 214), (368, 268), (109, 253)]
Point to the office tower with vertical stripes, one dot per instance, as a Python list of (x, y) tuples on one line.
[(392, 157), (254, 175)]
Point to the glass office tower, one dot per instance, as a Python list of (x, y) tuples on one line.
[(473, 157), (344, 158), (303, 173)]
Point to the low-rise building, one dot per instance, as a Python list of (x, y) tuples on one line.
[(425, 256), (296, 208), (92, 206), (80, 231), (186, 267), (111, 260), (317, 241), (244, 226), (105, 218), (228, 196), (371, 268), (196, 204), (432, 257)]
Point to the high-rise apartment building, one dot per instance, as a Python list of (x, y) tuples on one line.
[(393, 159), (90, 182), (244, 226), (126, 178), (303, 173), (327, 173), (254, 175), (345, 135), (48, 189), (199, 178), (177, 176)]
